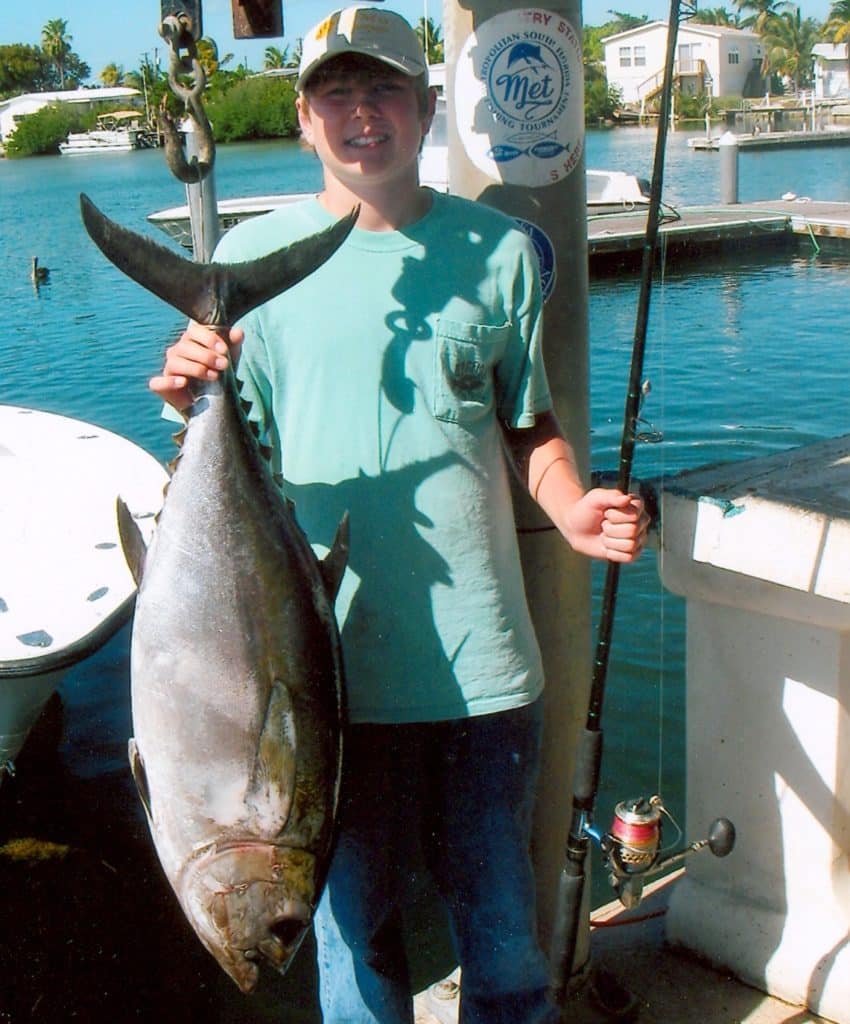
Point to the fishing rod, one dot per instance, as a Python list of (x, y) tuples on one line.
[(632, 848)]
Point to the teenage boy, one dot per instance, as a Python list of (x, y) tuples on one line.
[(391, 383)]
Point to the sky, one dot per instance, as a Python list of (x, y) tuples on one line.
[(122, 31)]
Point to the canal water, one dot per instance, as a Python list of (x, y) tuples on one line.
[(747, 355)]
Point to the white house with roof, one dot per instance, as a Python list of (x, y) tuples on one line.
[(13, 109), (711, 59), (831, 71)]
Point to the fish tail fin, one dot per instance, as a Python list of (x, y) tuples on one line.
[(217, 294)]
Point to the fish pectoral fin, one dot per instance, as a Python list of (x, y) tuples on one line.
[(332, 566), (132, 540), (273, 778), (137, 767)]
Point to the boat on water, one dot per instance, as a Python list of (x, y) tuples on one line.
[(120, 131), (607, 191), (66, 588)]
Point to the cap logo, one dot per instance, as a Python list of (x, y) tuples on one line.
[(322, 30)]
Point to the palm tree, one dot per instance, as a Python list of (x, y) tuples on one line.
[(151, 81), (56, 43), (275, 58), (209, 57), (788, 41), (761, 11), (112, 75), (717, 16), (430, 36), (837, 28), (622, 22)]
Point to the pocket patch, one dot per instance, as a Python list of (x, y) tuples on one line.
[(463, 372)]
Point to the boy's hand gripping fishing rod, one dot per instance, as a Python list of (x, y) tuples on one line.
[(632, 848)]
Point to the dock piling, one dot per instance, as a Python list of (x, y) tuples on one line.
[(728, 149)]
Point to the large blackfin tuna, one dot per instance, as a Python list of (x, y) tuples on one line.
[(237, 683)]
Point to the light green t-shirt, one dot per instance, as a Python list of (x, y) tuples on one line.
[(378, 381)]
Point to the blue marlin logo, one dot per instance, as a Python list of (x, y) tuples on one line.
[(529, 54)]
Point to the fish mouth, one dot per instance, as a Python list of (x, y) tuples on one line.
[(251, 902)]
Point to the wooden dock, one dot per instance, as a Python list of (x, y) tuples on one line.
[(668, 985), (830, 136), (616, 240)]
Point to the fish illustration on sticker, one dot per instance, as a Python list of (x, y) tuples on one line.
[(545, 149), (504, 152), (530, 55)]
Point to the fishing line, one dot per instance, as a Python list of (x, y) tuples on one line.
[(662, 610), (632, 846), (589, 755)]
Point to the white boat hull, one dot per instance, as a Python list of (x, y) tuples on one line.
[(99, 141), (65, 588), (607, 192)]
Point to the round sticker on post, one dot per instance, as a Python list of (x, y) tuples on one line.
[(545, 253), (518, 97)]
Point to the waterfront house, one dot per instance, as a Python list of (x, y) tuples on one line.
[(16, 107), (711, 59), (831, 72)]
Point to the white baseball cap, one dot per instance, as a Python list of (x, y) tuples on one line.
[(370, 31)]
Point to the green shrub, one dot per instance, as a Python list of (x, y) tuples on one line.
[(41, 132), (256, 108), (692, 108), (726, 103), (600, 100)]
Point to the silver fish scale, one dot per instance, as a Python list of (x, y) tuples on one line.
[(237, 695)]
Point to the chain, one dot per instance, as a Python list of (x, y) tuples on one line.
[(176, 31)]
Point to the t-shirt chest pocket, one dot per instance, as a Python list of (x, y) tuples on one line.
[(464, 357)]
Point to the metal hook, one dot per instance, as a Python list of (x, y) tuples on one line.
[(176, 30)]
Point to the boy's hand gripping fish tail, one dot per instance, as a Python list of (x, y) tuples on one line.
[(215, 294)]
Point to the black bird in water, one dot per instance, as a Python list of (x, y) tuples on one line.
[(38, 274)]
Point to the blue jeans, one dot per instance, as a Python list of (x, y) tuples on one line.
[(464, 791)]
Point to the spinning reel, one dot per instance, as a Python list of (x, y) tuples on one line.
[(632, 850)]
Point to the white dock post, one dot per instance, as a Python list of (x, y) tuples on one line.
[(728, 149), (546, 194), (761, 551)]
